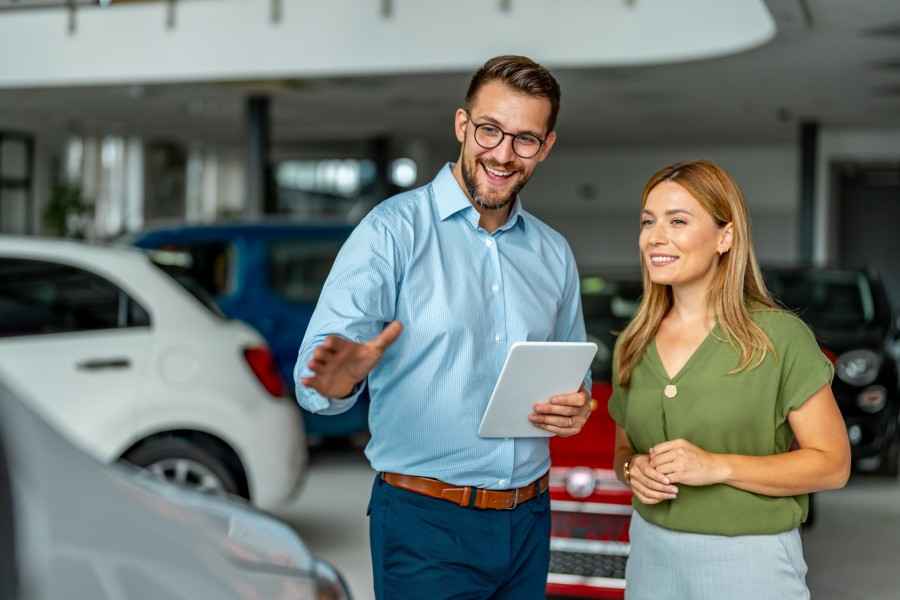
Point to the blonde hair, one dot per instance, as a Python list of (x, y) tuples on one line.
[(737, 287)]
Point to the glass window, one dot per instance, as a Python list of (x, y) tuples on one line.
[(209, 264), (298, 268), (38, 297), (824, 298)]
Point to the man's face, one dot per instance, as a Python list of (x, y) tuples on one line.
[(494, 176)]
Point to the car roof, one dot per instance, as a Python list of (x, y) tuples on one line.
[(97, 254)]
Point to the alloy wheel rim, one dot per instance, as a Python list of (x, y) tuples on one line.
[(188, 473)]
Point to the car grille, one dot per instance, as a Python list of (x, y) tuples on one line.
[(588, 565)]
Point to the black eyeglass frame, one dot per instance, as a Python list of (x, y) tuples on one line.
[(503, 135)]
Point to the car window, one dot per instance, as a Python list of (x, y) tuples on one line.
[(172, 264), (209, 264), (824, 298), (38, 297), (608, 305), (298, 268)]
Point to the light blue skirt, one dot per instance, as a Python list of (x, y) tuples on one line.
[(666, 564)]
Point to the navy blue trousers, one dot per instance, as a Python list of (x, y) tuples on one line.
[(429, 549)]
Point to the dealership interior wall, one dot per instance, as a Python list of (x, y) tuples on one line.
[(589, 189)]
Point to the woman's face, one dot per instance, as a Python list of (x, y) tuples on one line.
[(680, 242)]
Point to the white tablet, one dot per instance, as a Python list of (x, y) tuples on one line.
[(533, 372)]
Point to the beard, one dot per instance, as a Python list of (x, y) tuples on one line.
[(468, 176)]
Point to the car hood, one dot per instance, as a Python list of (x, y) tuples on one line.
[(85, 530), (844, 339)]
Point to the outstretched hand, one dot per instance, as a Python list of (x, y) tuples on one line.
[(338, 364)]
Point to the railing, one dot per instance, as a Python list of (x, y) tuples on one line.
[(73, 6)]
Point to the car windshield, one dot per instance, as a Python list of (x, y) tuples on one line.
[(825, 299), (608, 305), (609, 300)]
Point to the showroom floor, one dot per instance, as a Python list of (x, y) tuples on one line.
[(852, 551)]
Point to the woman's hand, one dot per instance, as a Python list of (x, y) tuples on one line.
[(648, 484), (682, 462)]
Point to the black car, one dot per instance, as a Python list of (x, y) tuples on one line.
[(850, 314), (609, 301)]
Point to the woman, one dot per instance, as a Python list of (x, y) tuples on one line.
[(723, 404)]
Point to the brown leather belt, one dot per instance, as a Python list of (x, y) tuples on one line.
[(467, 495)]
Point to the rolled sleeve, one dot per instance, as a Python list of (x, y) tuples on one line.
[(804, 370), (358, 300)]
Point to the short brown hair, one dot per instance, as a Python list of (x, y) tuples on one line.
[(522, 74)]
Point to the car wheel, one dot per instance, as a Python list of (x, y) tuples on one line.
[(186, 464), (890, 459)]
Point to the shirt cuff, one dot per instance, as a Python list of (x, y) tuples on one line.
[(316, 403)]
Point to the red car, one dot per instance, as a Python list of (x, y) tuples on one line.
[(591, 511), (591, 508)]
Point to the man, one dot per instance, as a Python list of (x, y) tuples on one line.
[(462, 271)]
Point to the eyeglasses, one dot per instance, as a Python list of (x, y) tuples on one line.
[(489, 136)]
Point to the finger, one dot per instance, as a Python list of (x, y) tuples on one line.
[(564, 422), (556, 409), (656, 486), (317, 366), (645, 500), (574, 399), (667, 446), (333, 343), (323, 354), (652, 474), (558, 431), (659, 459), (387, 336), (650, 492)]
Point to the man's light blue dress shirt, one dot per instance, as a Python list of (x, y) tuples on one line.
[(463, 296)]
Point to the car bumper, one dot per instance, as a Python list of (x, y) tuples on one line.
[(589, 544), (275, 459), (869, 436)]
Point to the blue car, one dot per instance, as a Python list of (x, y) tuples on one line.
[(269, 275)]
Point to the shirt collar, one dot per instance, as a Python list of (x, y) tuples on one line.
[(451, 199)]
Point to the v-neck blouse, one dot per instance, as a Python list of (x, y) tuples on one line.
[(742, 413)]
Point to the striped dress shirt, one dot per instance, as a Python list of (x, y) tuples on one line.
[(463, 295)]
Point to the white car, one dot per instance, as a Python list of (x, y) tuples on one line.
[(71, 528), (133, 365)]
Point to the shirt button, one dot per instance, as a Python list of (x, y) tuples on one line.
[(497, 338), (495, 288), (488, 243), (501, 482)]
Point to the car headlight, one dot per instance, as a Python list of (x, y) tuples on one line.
[(858, 367), (580, 482), (872, 399), (329, 583)]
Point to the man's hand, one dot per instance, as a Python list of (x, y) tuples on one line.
[(563, 415), (339, 364), (682, 462)]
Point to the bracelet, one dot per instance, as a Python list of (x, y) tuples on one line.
[(626, 470)]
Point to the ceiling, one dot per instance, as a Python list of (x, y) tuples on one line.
[(834, 61)]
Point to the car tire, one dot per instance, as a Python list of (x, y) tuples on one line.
[(890, 459), (186, 463)]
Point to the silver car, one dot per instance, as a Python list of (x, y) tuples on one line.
[(73, 528)]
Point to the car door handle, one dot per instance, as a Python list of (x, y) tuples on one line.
[(97, 364)]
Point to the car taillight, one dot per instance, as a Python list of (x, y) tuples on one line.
[(262, 363)]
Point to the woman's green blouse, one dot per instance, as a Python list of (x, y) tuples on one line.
[(740, 413)]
